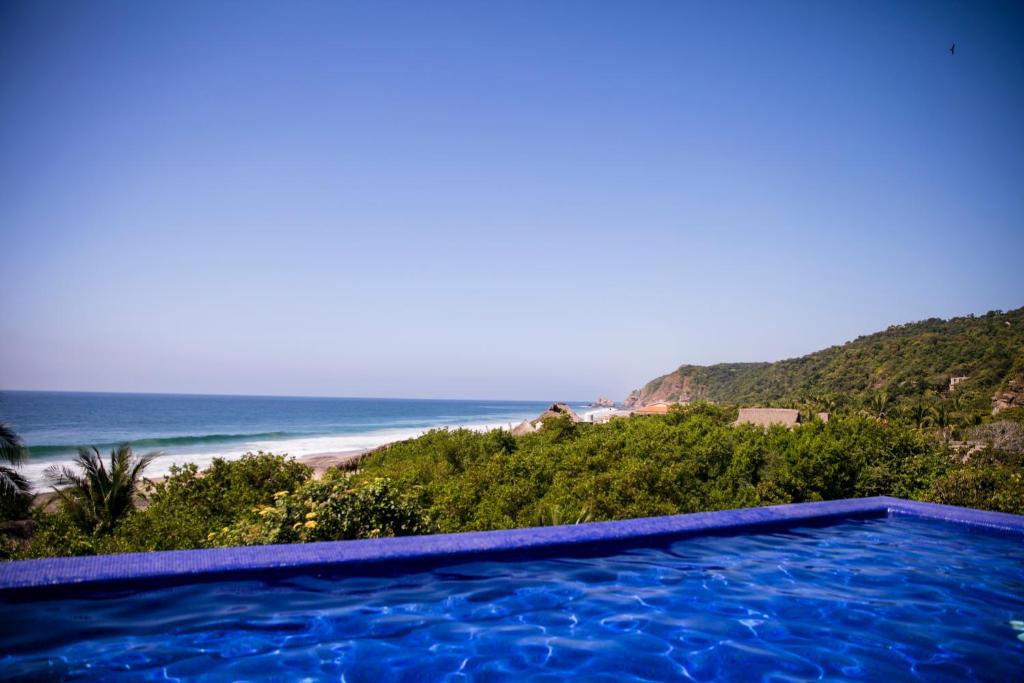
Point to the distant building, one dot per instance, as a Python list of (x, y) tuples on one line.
[(953, 381), (766, 417)]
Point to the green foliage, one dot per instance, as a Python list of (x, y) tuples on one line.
[(188, 505), (94, 496), (14, 488), (259, 498), (332, 508), (59, 534), (904, 362), (689, 460), (997, 487)]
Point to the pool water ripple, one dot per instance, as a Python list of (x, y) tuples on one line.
[(893, 599)]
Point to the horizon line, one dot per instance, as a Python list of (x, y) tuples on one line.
[(297, 396)]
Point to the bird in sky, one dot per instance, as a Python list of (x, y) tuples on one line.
[(952, 49)]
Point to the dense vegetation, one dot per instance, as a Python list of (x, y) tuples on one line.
[(905, 362), (689, 460)]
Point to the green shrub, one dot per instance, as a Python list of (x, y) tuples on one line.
[(58, 534), (332, 508), (988, 488), (185, 507)]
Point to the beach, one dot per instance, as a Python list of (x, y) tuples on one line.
[(198, 429), (322, 462)]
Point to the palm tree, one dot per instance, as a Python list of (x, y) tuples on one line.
[(828, 403), (920, 415), (942, 418), (14, 489), (879, 405), (553, 515), (95, 497)]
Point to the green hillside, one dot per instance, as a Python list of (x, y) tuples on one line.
[(903, 362)]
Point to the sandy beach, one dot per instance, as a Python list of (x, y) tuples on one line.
[(321, 462), (318, 462)]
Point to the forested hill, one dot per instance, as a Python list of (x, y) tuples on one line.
[(903, 361)]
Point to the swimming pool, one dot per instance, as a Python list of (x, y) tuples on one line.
[(866, 597)]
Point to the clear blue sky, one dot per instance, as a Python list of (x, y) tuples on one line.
[(493, 199)]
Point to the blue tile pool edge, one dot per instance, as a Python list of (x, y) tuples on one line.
[(999, 521), (186, 565)]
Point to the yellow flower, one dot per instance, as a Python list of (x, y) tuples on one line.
[(209, 536), (310, 524), (266, 511), (310, 515), (224, 530), (280, 494)]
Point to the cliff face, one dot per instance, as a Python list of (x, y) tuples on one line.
[(671, 388), (903, 360), (1009, 396)]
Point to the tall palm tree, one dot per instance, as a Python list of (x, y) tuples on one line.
[(828, 403), (97, 497), (14, 489), (942, 418), (880, 405), (920, 415)]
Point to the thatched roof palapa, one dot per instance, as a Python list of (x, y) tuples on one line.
[(559, 410), (523, 428)]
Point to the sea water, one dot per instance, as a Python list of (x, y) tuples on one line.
[(192, 428)]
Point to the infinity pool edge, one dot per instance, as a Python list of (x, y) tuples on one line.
[(29, 576)]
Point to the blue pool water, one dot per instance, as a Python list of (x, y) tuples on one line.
[(895, 599)]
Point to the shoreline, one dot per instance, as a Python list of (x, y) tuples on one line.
[(318, 462), (316, 449)]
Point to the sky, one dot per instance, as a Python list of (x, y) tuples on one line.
[(515, 200)]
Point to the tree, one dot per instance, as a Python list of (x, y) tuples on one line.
[(942, 418), (880, 405), (14, 488), (97, 498), (920, 415)]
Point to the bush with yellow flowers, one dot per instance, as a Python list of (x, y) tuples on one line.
[(333, 508)]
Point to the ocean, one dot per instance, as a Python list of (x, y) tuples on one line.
[(194, 428)]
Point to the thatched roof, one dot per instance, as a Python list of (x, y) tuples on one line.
[(558, 410), (765, 417), (524, 427)]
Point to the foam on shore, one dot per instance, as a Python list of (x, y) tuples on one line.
[(296, 446)]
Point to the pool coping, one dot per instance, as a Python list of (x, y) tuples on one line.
[(206, 564)]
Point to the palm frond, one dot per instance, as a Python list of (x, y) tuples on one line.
[(12, 484), (98, 496), (12, 450)]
